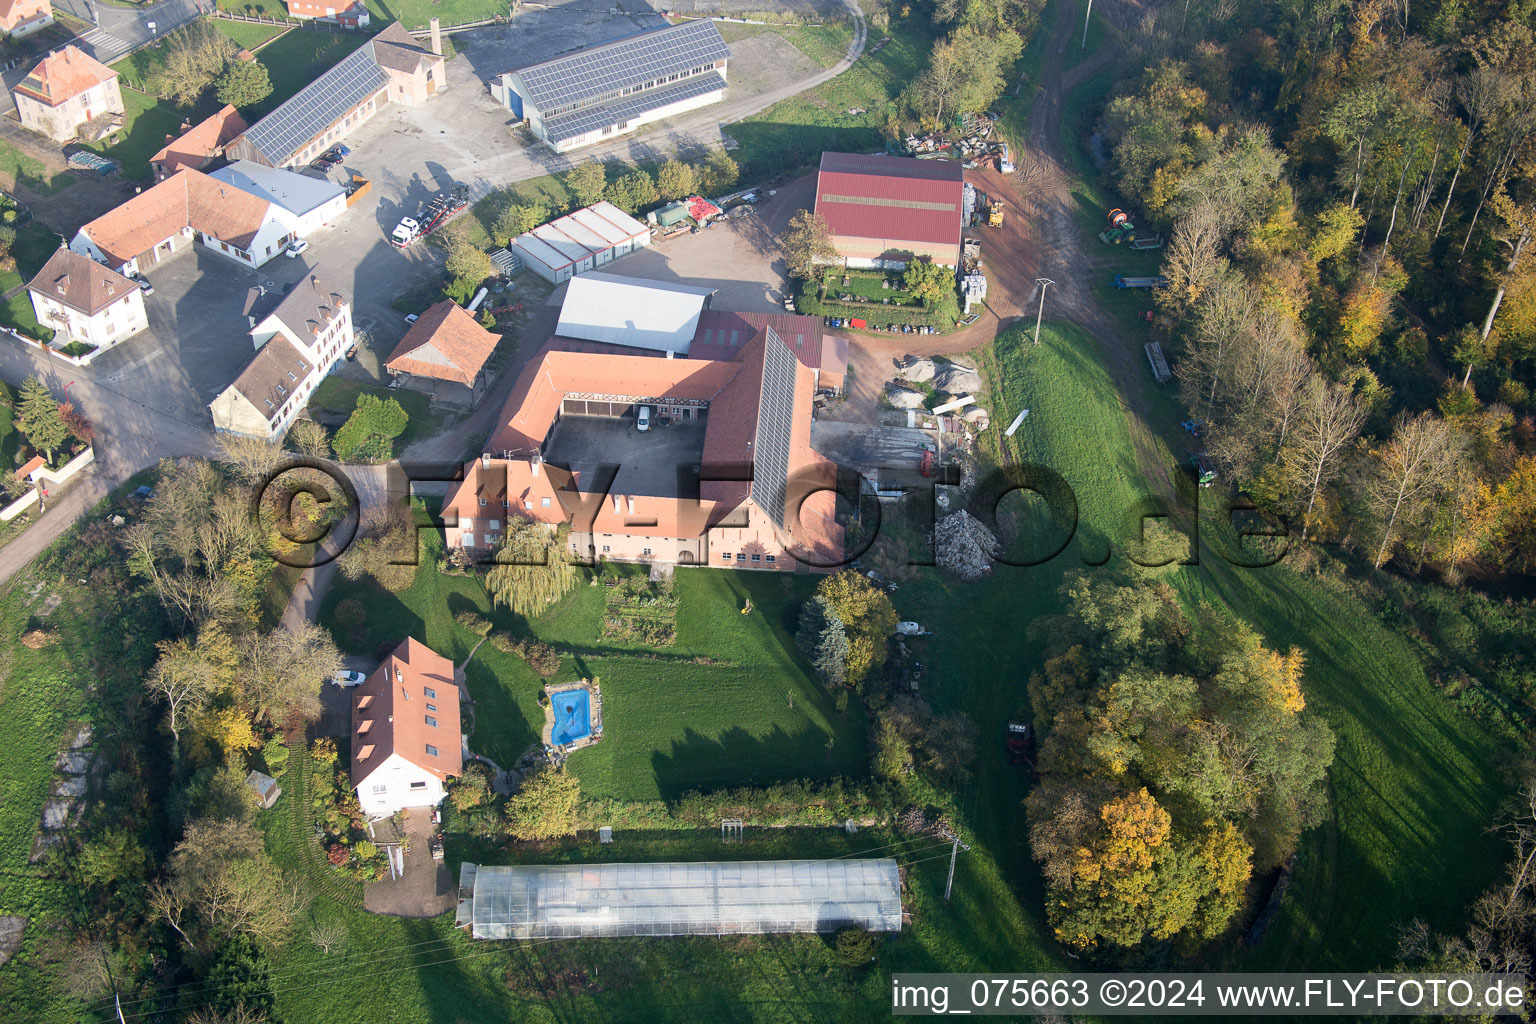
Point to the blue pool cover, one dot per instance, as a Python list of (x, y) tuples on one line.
[(573, 716)]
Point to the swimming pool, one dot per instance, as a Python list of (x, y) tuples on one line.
[(573, 716)]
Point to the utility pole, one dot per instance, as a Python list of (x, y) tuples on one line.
[(1043, 282), (954, 852), (1088, 14)]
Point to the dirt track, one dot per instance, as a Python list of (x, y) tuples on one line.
[(1039, 237)]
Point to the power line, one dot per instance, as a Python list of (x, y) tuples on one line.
[(350, 960), (493, 951)]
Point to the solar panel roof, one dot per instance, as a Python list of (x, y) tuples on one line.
[(775, 414), (579, 122), (622, 64), (317, 106)]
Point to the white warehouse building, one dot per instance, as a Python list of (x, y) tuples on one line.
[(613, 88), (580, 241), (306, 203)]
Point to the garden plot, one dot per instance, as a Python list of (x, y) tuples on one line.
[(640, 611)]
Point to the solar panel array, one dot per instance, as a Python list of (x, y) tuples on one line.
[(775, 416), (623, 64), (604, 115), (317, 106)]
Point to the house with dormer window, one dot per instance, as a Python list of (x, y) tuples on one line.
[(406, 738), (300, 337)]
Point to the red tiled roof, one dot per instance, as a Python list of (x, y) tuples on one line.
[(62, 76), (187, 198), (32, 466), (535, 400), (445, 343), (802, 334), (14, 13), (389, 713), (735, 393), (200, 143), (891, 197)]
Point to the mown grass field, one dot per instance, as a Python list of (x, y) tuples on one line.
[(670, 724), (1416, 782), (792, 135), (292, 61)]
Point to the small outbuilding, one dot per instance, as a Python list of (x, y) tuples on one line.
[(265, 787), (581, 241), (447, 344)]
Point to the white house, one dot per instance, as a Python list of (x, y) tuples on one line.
[(305, 204), (163, 219), (67, 90), (406, 739), (299, 338), (83, 301)]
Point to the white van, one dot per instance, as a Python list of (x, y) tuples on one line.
[(643, 420)]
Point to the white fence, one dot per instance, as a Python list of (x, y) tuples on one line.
[(52, 476)]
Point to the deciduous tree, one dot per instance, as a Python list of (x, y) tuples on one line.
[(545, 806), (586, 182), (807, 244), (531, 571)]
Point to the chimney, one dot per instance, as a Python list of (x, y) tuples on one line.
[(437, 37), (631, 502), (485, 460), (252, 321), (533, 466)]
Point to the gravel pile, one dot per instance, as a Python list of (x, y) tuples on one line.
[(903, 398), (963, 546), (957, 379), (916, 368)]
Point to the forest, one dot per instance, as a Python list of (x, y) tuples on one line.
[(1348, 193)]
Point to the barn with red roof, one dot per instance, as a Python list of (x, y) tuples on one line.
[(885, 210)]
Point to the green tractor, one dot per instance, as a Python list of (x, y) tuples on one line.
[(1120, 229)]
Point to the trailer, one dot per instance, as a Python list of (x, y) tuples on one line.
[(1159, 364), (439, 210), (1140, 282), (1144, 244)]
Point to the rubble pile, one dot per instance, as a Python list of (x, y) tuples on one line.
[(903, 398), (916, 368), (957, 379), (963, 546)]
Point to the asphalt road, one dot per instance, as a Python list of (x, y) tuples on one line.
[(121, 30)]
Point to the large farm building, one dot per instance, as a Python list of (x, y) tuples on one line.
[(885, 210)]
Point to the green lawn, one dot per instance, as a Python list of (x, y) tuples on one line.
[(247, 35), (338, 395), (147, 120), (18, 168), (139, 68), (17, 312), (34, 244), (793, 134), (670, 725)]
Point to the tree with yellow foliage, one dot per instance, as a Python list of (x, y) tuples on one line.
[(868, 618)]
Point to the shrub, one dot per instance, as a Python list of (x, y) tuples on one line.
[(275, 753), (853, 947), (323, 751), (542, 658), (473, 622), (367, 434)]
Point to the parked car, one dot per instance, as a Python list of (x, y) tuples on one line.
[(347, 679), (643, 420), (411, 318), (295, 247), (145, 286)]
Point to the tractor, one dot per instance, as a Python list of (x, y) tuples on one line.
[(1120, 228)]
